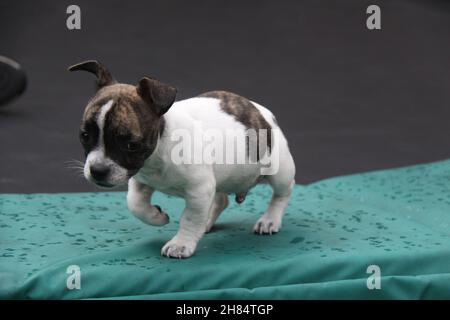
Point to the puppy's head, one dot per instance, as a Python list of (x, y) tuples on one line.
[(121, 125)]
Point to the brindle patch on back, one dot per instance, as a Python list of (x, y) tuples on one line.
[(244, 111)]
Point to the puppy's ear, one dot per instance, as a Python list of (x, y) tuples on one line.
[(104, 77), (157, 95)]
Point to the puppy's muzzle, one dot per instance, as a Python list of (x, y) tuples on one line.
[(100, 173)]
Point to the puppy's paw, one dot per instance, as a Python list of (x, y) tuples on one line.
[(266, 225), (159, 219), (177, 248)]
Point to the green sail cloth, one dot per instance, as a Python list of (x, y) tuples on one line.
[(398, 220)]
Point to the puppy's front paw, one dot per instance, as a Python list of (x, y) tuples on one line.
[(266, 225), (161, 218), (177, 248), (151, 215)]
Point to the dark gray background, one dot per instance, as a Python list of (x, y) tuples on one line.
[(348, 99)]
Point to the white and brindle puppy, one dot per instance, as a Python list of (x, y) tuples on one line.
[(127, 134)]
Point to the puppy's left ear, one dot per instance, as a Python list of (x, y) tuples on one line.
[(104, 77), (157, 95)]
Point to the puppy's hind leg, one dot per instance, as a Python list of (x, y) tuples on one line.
[(282, 184), (219, 204)]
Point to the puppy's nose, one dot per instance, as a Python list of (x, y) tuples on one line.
[(99, 171)]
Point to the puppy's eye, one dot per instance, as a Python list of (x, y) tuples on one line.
[(84, 137), (132, 146)]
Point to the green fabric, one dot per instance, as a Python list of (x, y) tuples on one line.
[(333, 230)]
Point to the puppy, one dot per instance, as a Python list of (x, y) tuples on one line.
[(133, 134)]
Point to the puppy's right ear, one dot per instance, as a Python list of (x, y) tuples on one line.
[(158, 96), (104, 77)]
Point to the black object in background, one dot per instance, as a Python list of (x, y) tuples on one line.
[(13, 80)]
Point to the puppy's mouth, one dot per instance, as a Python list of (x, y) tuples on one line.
[(104, 184)]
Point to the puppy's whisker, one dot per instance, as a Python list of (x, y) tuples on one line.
[(74, 161), (75, 165)]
